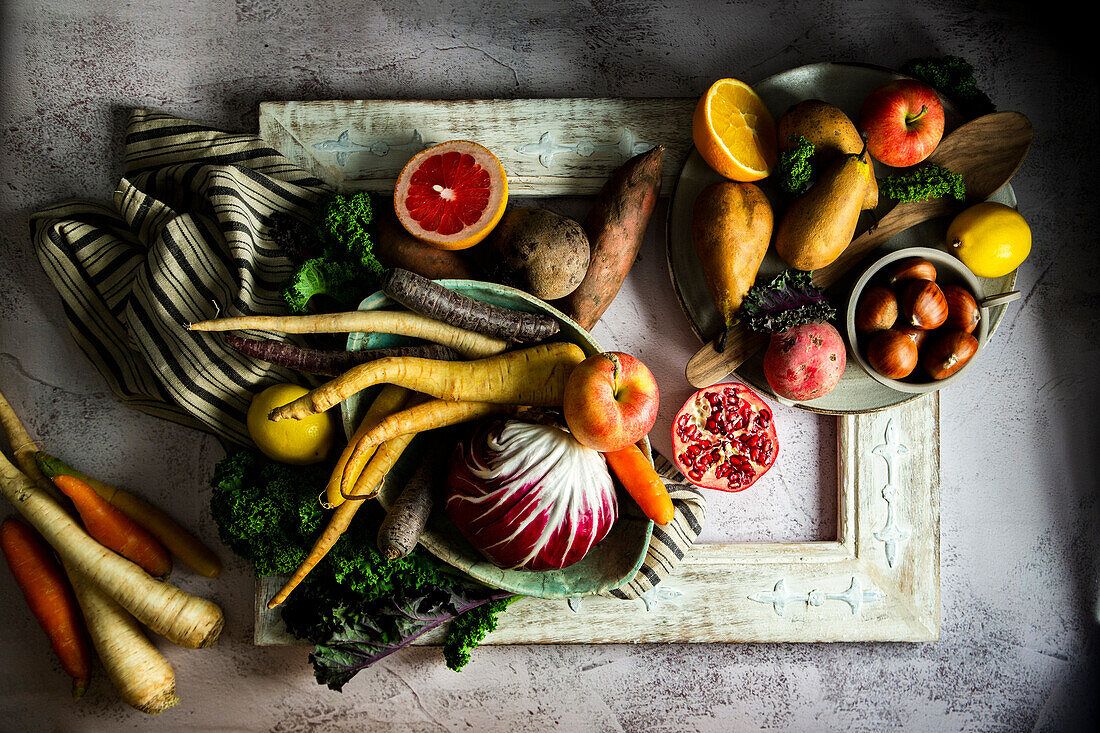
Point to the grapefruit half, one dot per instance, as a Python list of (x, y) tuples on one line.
[(451, 195)]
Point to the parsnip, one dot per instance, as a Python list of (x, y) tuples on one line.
[(469, 344), (140, 673), (533, 376), (182, 618)]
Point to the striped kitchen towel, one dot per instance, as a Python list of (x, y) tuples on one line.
[(188, 239)]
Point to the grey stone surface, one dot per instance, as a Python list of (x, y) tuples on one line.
[(1019, 506)]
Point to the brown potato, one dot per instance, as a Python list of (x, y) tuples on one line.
[(538, 251)]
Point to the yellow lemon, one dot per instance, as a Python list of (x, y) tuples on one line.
[(990, 238), (299, 442)]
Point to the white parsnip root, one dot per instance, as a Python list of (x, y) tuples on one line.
[(469, 344), (140, 673), (180, 617)]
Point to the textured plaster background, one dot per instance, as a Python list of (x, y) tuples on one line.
[(1019, 509)]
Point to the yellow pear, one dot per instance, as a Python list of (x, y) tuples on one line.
[(832, 134), (819, 225), (731, 226)]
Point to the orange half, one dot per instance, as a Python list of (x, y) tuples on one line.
[(734, 131)]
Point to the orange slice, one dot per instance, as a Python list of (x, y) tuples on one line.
[(734, 131), (451, 195)]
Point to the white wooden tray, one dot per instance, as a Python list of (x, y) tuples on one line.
[(878, 581)]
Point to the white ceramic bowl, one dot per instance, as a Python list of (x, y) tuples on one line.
[(949, 271)]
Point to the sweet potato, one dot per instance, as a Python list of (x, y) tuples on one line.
[(538, 251), (395, 247), (616, 227)]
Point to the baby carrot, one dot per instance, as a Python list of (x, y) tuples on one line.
[(113, 529), (50, 599), (642, 483)]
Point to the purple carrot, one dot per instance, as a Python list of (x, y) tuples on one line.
[(443, 304), (328, 363)]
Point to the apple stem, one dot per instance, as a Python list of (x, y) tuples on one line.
[(617, 366), (910, 120)]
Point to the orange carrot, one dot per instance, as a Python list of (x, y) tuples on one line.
[(50, 599), (641, 481), (114, 529)]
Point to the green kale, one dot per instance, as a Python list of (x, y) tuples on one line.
[(259, 512), (469, 629), (345, 269), (794, 171), (952, 77), (339, 280), (342, 226), (790, 300), (927, 181), (354, 606)]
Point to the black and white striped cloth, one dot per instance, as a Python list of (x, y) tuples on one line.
[(188, 239)]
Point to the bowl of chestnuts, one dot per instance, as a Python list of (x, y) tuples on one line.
[(915, 320)]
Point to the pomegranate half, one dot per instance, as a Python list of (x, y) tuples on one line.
[(724, 437), (451, 195)]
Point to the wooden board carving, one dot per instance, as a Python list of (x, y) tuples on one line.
[(878, 581)]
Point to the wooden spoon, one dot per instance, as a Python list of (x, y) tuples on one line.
[(986, 152)]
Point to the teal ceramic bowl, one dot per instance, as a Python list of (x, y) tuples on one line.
[(608, 565)]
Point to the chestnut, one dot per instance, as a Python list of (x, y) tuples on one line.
[(923, 304), (877, 309), (892, 354), (918, 335), (912, 268), (948, 353), (963, 313)]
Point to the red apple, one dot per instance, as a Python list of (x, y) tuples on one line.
[(903, 121), (610, 401)]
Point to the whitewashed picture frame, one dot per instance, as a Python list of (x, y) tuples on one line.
[(877, 581)]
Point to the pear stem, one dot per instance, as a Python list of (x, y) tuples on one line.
[(863, 153)]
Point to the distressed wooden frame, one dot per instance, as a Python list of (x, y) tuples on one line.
[(878, 581)]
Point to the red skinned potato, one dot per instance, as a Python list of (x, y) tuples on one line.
[(395, 247), (616, 227), (611, 401), (805, 362)]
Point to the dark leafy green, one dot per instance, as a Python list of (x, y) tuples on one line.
[(354, 606), (790, 300), (926, 181), (794, 171), (381, 628), (343, 267), (953, 77)]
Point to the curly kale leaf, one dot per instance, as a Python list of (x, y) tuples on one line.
[(340, 281), (259, 509), (926, 181), (297, 238), (794, 170), (373, 631), (469, 629), (342, 226), (790, 300), (345, 269), (953, 77)]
